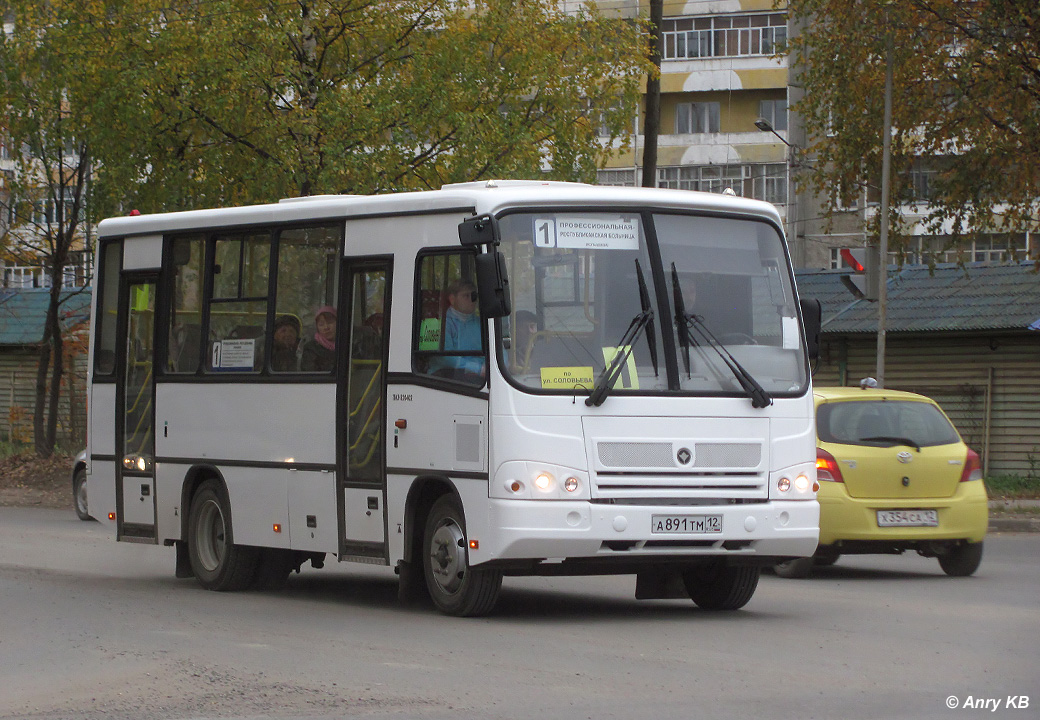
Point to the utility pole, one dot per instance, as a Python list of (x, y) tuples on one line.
[(652, 121), (886, 163)]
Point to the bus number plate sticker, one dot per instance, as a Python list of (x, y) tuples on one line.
[(684, 524), (907, 518)]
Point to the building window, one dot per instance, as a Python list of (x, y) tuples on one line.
[(724, 36), (775, 111), (761, 181), (697, 117), (619, 177), (985, 248)]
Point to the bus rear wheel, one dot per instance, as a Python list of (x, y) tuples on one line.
[(217, 562), (455, 587), (720, 586)]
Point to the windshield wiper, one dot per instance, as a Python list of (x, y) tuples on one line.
[(893, 439), (643, 321), (686, 323)]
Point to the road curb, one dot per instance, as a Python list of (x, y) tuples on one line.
[(1014, 524)]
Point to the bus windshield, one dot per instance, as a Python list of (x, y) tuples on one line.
[(577, 283)]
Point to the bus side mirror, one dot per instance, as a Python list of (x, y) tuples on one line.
[(481, 230), (492, 284), (812, 316)]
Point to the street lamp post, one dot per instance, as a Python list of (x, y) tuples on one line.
[(792, 204)]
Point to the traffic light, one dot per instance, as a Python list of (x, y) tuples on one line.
[(863, 280)]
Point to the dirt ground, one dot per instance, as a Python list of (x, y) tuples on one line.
[(28, 481)]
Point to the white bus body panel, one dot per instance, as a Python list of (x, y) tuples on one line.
[(259, 423), (263, 423), (144, 253)]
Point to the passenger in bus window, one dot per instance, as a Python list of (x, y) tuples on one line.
[(286, 344), (319, 354), (462, 332)]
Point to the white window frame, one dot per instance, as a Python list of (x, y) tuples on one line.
[(697, 117), (714, 36)]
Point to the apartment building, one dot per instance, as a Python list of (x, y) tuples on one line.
[(725, 123), (719, 76)]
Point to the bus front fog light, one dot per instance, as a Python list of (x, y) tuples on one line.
[(801, 483), (543, 481), (570, 484), (783, 484)]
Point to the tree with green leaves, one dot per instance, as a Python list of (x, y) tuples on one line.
[(46, 182), (236, 101), (965, 110)]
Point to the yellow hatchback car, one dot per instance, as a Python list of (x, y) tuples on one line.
[(894, 476)]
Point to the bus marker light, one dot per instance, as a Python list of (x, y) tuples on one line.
[(815, 486), (783, 484), (277, 527), (474, 544), (111, 516), (516, 486), (570, 484)]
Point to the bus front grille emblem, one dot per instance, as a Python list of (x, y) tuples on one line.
[(684, 456)]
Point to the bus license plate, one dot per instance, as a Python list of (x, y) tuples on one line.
[(704, 524), (907, 518)]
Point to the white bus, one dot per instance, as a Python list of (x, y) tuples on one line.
[(490, 379)]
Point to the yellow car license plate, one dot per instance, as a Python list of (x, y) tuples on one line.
[(907, 518)]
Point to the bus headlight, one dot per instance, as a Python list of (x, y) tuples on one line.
[(522, 480), (543, 481)]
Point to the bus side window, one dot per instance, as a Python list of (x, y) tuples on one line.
[(238, 305), (307, 281), (184, 344), (450, 339)]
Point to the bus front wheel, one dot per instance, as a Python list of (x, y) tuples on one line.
[(720, 586), (217, 562), (455, 587)]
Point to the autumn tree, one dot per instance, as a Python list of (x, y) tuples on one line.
[(45, 189), (966, 107), (235, 101)]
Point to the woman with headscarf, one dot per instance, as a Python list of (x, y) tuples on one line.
[(319, 354)]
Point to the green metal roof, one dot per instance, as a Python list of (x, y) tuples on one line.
[(946, 298), (23, 313)]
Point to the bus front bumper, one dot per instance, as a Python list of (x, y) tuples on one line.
[(562, 530)]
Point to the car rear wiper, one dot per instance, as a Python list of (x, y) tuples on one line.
[(686, 323), (643, 321), (893, 439)]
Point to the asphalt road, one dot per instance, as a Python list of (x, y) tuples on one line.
[(91, 628)]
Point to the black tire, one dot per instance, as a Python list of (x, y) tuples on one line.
[(273, 570), (719, 586), (217, 562), (797, 568), (962, 559), (79, 494), (455, 587), (825, 558)]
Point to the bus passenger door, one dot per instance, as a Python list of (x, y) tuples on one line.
[(135, 412), (362, 456)]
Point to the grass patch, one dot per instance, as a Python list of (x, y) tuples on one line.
[(1013, 486), (7, 449)]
